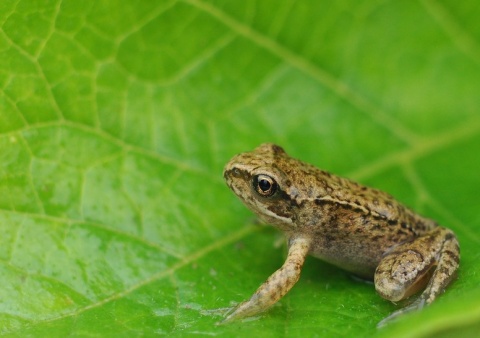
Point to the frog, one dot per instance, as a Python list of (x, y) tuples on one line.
[(357, 228)]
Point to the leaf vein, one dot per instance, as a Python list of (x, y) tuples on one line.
[(464, 41), (162, 274), (334, 84)]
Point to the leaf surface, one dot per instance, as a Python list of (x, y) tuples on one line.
[(117, 117)]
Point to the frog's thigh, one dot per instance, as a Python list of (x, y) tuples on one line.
[(431, 258)]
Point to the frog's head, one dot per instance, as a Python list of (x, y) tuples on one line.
[(266, 181)]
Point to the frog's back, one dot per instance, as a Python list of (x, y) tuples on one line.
[(320, 185), (380, 205)]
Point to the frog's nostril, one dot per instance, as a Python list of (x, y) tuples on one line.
[(236, 172)]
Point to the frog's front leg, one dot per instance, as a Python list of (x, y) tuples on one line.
[(430, 260), (277, 285)]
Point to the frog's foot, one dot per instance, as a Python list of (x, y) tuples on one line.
[(229, 314), (242, 310), (418, 304)]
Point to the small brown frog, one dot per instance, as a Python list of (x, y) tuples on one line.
[(360, 229)]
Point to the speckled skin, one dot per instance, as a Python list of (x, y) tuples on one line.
[(360, 229)]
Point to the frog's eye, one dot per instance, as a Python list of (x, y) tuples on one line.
[(264, 185)]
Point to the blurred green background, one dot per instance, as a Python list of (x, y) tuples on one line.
[(117, 117)]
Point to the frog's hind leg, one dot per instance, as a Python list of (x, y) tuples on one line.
[(430, 260)]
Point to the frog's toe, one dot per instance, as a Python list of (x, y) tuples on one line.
[(389, 319), (229, 315), (416, 305), (216, 312), (233, 313), (243, 310)]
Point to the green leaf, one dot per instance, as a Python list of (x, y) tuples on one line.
[(117, 117)]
